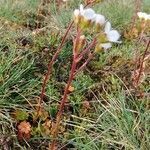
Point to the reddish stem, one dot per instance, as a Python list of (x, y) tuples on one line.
[(63, 101), (89, 58), (71, 77), (85, 63), (142, 61), (50, 64), (87, 49), (62, 104)]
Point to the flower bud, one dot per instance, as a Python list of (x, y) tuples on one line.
[(84, 17), (76, 16), (102, 38), (99, 22), (98, 48), (79, 44), (85, 24)]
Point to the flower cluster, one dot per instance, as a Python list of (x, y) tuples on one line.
[(144, 23), (86, 18), (143, 15)]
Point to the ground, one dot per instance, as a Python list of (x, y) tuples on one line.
[(104, 110)]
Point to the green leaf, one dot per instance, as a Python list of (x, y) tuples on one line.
[(21, 115)]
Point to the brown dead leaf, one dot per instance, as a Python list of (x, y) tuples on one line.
[(47, 127), (24, 130), (139, 74), (131, 33), (86, 104), (92, 1), (71, 89), (85, 107)]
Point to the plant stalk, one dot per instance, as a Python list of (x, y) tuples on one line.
[(50, 64), (62, 105)]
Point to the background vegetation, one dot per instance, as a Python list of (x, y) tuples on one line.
[(104, 111)]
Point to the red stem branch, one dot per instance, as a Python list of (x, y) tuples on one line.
[(71, 77), (87, 49), (85, 63), (63, 101), (142, 61), (62, 104), (50, 64)]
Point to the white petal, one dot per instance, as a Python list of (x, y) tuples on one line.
[(106, 45), (147, 17), (119, 42), (99, 19), (141, 14), (113, 36), (81, 8), (88, 14), (107, 27), (76, 12)]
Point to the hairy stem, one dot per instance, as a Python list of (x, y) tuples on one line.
[(142, 61), (50, 64), (92, 44), (62, 104), (63, 101), (84, 64)]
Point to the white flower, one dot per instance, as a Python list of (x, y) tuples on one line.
[(112, 35), (106, 45), (81, 8), (99, 19), (143, 15), (87, 14), (76, 12)]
